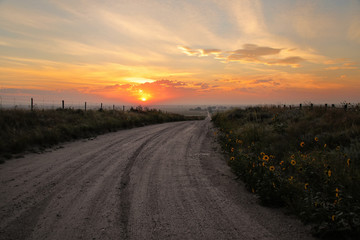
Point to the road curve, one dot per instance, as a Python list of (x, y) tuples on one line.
[(165, 181)]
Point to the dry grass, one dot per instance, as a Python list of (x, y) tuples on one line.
[(23, 130)]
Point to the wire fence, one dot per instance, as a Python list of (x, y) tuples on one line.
[(27, 103), (344, 105), (38, 103)]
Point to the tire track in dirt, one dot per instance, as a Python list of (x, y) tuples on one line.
[(164, 181), (125, 192), (56, 182)]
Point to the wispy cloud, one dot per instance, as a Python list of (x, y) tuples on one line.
[(250, 53), (342, 64), (193, 49)]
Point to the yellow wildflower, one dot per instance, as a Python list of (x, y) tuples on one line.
[(282, 162), (329, 173), (232, 158), (325, 145), (232, 149), (302, 144), (316, 139), (333, 217), (348, 162), (271, 168), (291, 178), (306, 186), (293, 162), (262, 153), (266, 157), (292, 156)]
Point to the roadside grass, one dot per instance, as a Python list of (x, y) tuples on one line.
[(24, 130), (305, 159)]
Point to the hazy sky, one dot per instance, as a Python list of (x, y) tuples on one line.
[(181, 52)]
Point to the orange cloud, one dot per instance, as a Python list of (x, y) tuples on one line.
[(341, 64), (159, 91)]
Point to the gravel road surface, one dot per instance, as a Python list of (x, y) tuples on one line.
[(166, 181)]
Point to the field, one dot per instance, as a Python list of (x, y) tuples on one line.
[(25, 130), (305, 159)]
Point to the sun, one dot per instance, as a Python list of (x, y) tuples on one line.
[(143, 96)]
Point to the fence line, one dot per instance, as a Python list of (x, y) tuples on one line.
[(32, 104), (345, 106)]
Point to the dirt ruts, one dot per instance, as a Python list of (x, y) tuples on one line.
[(166, 181)]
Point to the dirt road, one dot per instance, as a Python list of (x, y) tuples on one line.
[(166, 181)]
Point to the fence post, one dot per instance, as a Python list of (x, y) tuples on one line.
[(85, 106), (326, 106), (311, 106), (113, 107), (101, 107), (63, 104), (300, 105), (123, 108), (345, 106), (32, 104)]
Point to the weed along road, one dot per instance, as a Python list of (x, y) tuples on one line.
[(166, 181)]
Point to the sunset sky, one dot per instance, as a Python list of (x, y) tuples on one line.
[(180, 52)]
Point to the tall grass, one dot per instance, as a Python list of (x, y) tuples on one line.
[(305, 159), (23, 130)]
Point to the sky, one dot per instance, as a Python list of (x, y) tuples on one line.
[(180, 52)]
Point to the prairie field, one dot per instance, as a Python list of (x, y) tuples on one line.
[(25, 130), (305, 159)]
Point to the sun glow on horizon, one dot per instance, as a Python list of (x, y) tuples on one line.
[(143, 96), (250, 52)]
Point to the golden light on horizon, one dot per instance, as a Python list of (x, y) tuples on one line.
[(241, 59), (143, 96)]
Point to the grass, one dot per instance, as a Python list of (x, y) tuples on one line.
[(23, 130), (305, 159)]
